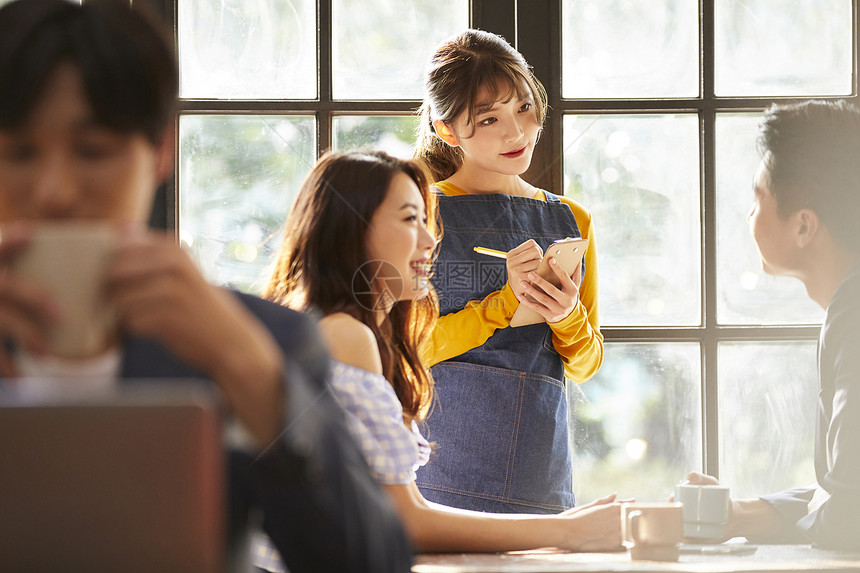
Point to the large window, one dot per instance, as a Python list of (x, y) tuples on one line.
[(266, 87), (710, 364)]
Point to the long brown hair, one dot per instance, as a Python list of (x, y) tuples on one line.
[(324, 248), (459, 69)]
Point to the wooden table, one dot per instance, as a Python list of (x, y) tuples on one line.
[(766, 558)]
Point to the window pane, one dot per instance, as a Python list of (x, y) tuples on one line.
[(247, 50), (637, 425), (380, 48), (238, 178), (745, 294), (392, 134), (639, 176), (624, 48), (783, 48), (768, 394)]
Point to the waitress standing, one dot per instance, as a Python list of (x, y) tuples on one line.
[(500, 422)]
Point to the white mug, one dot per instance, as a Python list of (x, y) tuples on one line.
[(706, 510), (69, 260)]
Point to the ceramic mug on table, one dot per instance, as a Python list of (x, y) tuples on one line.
[(706, 511), (653, 531)]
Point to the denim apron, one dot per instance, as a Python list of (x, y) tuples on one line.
[(500, 420)]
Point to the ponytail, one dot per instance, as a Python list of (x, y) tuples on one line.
[(442, 160)]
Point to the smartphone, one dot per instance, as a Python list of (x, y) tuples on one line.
[(568, 253)]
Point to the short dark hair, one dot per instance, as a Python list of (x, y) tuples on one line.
[(812, 151), (126, 60)]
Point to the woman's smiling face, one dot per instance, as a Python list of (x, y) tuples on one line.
[(399, 243)]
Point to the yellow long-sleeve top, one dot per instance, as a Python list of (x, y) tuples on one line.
[(576, 338)]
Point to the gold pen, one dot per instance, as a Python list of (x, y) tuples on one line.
[(491, 252)]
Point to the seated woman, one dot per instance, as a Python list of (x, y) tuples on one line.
[(358, 249)]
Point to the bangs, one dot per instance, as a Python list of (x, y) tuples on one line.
[(492, 82)]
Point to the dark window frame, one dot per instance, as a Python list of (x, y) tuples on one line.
[(534, 27)]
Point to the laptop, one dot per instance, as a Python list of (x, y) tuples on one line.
[(130, 479)]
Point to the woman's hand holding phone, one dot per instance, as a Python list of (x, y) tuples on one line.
[(551, 302), (550, 292)]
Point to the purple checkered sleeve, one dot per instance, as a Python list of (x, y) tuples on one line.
[(375, 419)]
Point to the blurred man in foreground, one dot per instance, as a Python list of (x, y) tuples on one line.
[(87, 102)]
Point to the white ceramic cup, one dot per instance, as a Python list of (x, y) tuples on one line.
[(69, 260), (653, 531), (706, 511)]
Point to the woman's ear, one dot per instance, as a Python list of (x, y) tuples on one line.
[(445, 132)]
